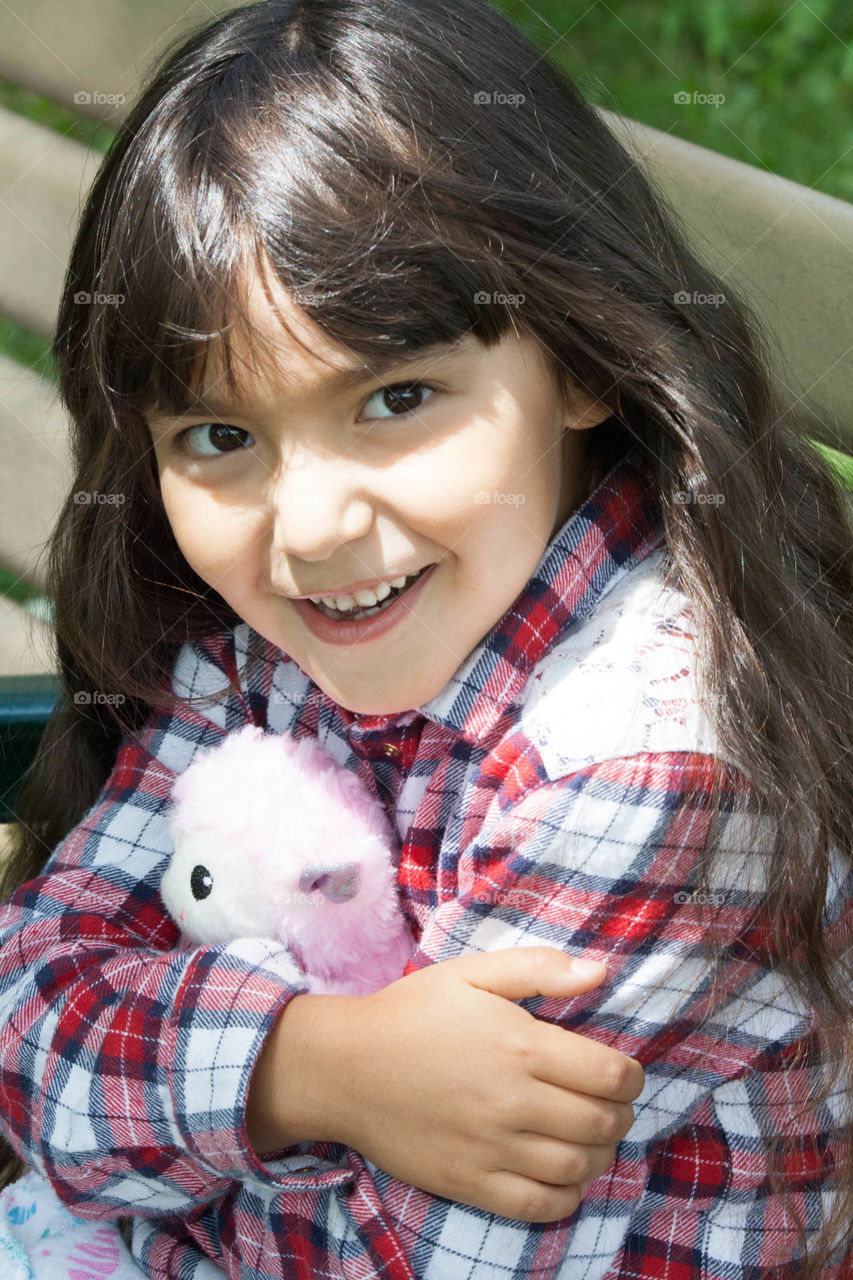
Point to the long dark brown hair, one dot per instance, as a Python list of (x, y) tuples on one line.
[(390, 161)]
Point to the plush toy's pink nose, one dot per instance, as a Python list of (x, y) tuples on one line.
[(337, 881)]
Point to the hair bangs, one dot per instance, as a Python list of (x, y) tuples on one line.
[(317, 189)]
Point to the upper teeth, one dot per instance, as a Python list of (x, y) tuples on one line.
[(364, 598)]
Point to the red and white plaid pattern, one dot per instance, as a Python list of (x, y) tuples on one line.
[(556, 791)]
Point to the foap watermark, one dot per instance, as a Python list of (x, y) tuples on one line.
[(699, 898), (485, 299), (488, 98), (85, 299), (86, 497), (283, 697), (697, 299), (299, 898), (84, 98), (482, 497), (684, 497), (504, 898), (682, 98), (87, 698)]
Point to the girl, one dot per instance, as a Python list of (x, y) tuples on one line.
[(383, 304)]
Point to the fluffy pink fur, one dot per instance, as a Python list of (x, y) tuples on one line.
[(259, 810)]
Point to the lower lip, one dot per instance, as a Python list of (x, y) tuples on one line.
[(368, 628)]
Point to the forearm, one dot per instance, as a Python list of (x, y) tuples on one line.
[(155, 1037), (296, 1086)]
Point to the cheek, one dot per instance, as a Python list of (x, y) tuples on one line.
[(456, 486), (505, 482), (213, 536)]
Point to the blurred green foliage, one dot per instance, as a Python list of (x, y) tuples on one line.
[(43, 111), (786, 71), (23, 593), (26, 347), (842, 463)]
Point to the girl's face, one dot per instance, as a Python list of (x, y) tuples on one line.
[(306, 486)]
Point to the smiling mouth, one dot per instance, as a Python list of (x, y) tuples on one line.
[(357, 612)]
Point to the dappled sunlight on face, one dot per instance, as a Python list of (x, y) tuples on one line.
[(320, 477)]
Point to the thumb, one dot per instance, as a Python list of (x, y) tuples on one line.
[(518, 972)]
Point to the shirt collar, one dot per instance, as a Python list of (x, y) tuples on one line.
[(612, 531)]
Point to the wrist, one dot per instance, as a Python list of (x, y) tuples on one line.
[(294, 1090)]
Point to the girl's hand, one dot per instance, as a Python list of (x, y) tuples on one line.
[(451, 1087)]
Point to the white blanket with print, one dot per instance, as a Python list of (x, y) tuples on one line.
[(41, 1240)]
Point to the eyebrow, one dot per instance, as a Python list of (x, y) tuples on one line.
[(342, 380)]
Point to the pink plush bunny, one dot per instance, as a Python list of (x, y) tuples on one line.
[(274, 839)]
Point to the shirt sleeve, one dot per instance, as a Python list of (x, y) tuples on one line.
[(126, 1053), (604, 863)]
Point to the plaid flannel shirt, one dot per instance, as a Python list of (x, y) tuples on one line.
[(555, 792)]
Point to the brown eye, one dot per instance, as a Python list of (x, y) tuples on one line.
[(223, 438), (401, 397)]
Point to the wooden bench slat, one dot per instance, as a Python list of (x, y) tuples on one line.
[(44, 180), (92, 47), (35, 467), (790, 249), (25, 642), (5, 838)]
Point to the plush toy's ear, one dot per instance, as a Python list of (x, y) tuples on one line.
[(215, 788)]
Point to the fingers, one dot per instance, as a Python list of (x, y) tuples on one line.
[(573, 1117), (519, 972), (583, 1065), (526, 1200), (560, 1164)]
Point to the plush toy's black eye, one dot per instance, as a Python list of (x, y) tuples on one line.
[(201, 882)]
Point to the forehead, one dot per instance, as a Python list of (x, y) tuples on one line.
[(274, 339), (275, 344)]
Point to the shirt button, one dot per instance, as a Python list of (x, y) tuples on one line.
[(389, 749)]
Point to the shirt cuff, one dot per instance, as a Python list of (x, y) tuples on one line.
[(226, 1006)]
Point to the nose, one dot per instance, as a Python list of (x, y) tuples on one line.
[(319, 503), (337, 881)]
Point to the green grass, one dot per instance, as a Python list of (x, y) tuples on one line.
[(785, 69), (42, 110), (27, 348), (841, 462), (23, 593)]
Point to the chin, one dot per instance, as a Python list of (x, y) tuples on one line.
[(383, 704), (377, 706)]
